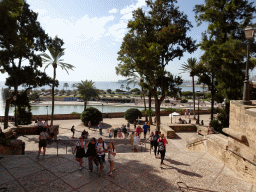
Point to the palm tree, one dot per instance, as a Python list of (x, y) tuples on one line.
[(190, 67), (56, 52), (87, 90), (122, 86), (66, 85)]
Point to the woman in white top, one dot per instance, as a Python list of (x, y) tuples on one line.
[(111, 156), (80, 153)]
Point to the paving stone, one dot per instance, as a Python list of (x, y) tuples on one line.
[(95, 185), (25, 170), (64, 169), (16, 162), (5, 177), (78, 179), (53, 161), (37, 179), (54, 186), (12, 186)]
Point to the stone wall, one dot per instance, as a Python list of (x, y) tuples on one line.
[(238, 150), (15, 147)]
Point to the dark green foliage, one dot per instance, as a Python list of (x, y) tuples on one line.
[(109, 91), (132, 114), (171, 110), (208, 95), (252, 92), (135, 90), (216, 125), (91, 114), (33, 96), (23, 113), (119, 90), (184, 101), (186, 93), (167, 101), (75, 113), (24, 116), (149, 112)]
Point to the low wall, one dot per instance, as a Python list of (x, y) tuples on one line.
[(217, 145), (184, 127), (169, 132), (15, 147)]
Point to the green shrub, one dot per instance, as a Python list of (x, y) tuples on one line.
[(167, 101), (132, 114), (171, 110), (74, 113), (103, 95), (184, 101), (149, 112), (216, 125), (91, 114), (4, 141)]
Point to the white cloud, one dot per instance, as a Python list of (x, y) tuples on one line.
[(113, 10), (119, 30)]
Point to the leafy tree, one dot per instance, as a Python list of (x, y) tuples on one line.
[(54, 59), (109, 91), (190, 67), (155, 39), (91, 114), (65, 85), (135, 90), (224, 45), (122, 86), (21, 36), (87, 90), (132, 114)]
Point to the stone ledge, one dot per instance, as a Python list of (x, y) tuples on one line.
[(235, 134), (15, 147), (169, 132)]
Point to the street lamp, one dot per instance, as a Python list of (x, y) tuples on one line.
[(249, 31), (171, 111), (102, 112), (14, 98), (198, 121), (47, 111)]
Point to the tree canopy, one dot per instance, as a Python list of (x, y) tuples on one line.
[(154, 40)]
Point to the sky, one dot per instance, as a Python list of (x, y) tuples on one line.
[(93, 30)]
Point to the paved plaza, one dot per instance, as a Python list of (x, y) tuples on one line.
[(140, 171)]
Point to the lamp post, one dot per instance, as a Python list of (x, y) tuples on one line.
[(47, 111), (198, 111), (249, 32), (102, 112), (14, 98), (171, 111)]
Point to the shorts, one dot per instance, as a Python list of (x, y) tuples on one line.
[(136, 146), (42, 143), (101, 158), (145, 132)]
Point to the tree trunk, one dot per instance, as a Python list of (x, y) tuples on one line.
[(7, 105), (212, 105), (145, 106), (157, 108), (194, 103), (85, 103), (149, 107), (53, 85)]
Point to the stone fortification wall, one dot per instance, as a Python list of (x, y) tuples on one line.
[(238, 149)]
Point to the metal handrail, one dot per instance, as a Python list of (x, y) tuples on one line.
[(245, 159)]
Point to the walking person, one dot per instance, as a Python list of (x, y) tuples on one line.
[(101, 150), (115, 133), (131, 138), (162, 148), (136, 142), (79, 149), (42, 142), (100, 128), (138, 130), (110, 134), (128, 126), (151, 138), (73, 131), (89, 124), (125, 132), (119, 135), (145, 129), (92, 153), (111, 156), (155, 138)]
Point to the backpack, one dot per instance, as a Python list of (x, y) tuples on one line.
[(103, 156), (161, 146), (155, 137)]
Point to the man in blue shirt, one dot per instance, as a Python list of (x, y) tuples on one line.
[(145, 129), (100, 128)]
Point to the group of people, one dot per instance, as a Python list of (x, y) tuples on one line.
[(95, 153), (145, 128), (119, 132)]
